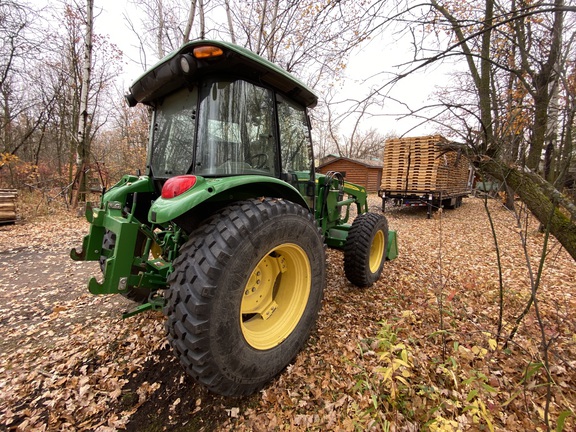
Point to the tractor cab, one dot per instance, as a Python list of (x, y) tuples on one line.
[(220, 111)]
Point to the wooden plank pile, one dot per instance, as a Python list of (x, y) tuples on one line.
[(424, 164), (8, 205)]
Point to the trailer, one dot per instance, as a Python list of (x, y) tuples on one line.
[(425, 171)]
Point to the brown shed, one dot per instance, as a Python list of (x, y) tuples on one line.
[(365, 172)]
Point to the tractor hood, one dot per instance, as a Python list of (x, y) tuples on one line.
[(197, 59)]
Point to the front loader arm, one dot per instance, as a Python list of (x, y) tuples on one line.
[(359, 196), (334, 198)]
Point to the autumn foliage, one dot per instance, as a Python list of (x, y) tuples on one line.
[(420, 350)]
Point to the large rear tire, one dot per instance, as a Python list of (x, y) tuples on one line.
[(365, 249), (245, 293)]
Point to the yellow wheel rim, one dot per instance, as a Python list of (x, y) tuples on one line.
[(377, 252), (275, 296)]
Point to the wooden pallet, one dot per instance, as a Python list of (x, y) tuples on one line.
[(423, 164), (8, 205)]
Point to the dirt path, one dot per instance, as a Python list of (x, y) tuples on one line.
[(61, 344)]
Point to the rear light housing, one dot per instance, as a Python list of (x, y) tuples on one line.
[(207, 51), (178, 185)]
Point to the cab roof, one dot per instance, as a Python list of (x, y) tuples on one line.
[(167, 75)]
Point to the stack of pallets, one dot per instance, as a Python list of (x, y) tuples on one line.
[(395, 167), (423, 164), (453, 174), (8, 205)]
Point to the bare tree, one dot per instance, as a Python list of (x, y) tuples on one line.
[(190, 21), (44, 87), (308, 38), (83, 152), (484, 34), (311, 39), (18, 39), (357, 141), (122, 146), (166, 25)]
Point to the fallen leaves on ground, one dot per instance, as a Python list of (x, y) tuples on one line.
[(416, 351)]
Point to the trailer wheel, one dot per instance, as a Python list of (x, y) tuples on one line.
[(244, 294), (137, 294), (365, 249)]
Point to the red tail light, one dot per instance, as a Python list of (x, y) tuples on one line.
[(178, 185)]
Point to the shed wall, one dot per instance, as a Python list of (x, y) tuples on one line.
[(369, 177)]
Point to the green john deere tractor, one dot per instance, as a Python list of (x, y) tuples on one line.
[(226, 232)]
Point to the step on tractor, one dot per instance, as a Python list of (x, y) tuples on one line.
[(226, 232)]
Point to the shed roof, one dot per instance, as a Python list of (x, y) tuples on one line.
[(369, 163)]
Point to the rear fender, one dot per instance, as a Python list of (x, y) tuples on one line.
[(129, 184), (224, 189)]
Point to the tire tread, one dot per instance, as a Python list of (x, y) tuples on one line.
[(200, 262)]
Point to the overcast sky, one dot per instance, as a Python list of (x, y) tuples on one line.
[(378, 55)]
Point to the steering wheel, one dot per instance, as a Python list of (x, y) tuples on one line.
[(259, 160)]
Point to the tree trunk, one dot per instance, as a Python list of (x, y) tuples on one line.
[(230, 23), (481, 78), (189, 22), (6, 121), (484, 84), (202, 19), (261, 29), (544, 81), (567, 145), (541, 101), (271, 45), (160, 34), (83, 160)]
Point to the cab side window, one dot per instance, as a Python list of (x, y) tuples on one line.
[(294, 137)]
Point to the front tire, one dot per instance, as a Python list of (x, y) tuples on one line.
[(365, 249), (245, 293)]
